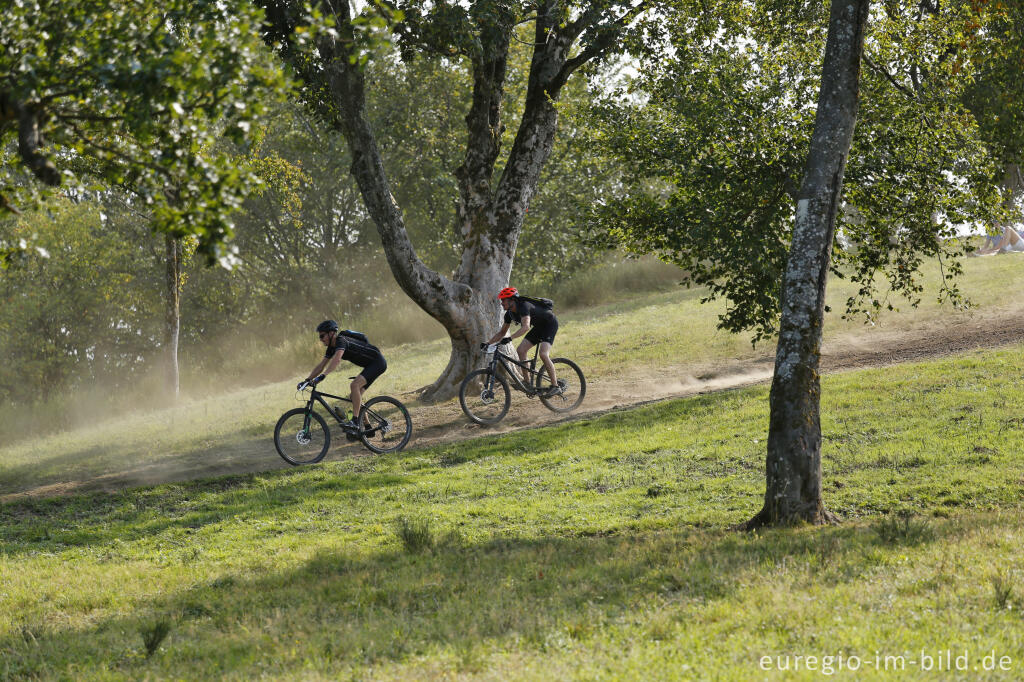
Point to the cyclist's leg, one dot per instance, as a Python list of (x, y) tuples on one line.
[(367, 377), (356, 389), (524, 348), (545, 355), (546, 338)]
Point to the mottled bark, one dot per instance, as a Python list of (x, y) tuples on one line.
[(793, 461), (489, 215), (172, 314)]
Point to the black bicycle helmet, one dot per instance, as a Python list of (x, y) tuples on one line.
[(327, 326)]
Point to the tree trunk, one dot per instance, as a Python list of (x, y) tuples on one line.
[(172, 315), (490, 217), (793, 462), (1013, 186)]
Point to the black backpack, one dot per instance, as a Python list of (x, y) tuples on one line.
[(358, 336), (545, 303)]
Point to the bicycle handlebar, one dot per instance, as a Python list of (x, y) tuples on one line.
[(310, 383), (490, 347)]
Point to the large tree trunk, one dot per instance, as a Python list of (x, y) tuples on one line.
[(489, 216), (172, 315), (793, 462)]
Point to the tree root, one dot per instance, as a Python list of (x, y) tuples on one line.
[(812, 514)]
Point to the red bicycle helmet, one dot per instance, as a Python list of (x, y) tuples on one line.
[(507, 292)]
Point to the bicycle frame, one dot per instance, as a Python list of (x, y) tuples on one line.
[(498, 357), (316, 396)]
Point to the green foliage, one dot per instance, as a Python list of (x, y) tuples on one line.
[(716, 136), (995, 94), (134, 94), (80, 308)]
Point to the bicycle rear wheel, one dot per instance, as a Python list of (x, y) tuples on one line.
[(300, 440), (386, 424), (484, 397), (571, 381)]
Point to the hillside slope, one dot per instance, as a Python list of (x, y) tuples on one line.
[(654, 347)]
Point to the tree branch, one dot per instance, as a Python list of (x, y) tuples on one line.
[(605, 37), (889, 77), (30, 141)]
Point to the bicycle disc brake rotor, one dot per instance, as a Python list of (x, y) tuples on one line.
[(303, 438), (487, 396)]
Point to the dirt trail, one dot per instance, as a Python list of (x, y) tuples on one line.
[(446, 424)]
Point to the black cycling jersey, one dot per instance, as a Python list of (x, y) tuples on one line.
[(543, 323), (356, 352), (538, 316)]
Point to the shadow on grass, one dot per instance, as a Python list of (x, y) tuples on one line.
[(345, 610), (43, 525)]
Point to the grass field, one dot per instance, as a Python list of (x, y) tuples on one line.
[(595, 549)]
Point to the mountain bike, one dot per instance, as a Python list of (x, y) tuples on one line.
[(485, 396), (302, 436)]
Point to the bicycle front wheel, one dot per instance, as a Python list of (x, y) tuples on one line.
[(571, 384), (484, 397), (386, 426), (301, 436)]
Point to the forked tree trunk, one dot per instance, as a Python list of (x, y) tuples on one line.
[(490, 214), (172, 315), (793, 462)]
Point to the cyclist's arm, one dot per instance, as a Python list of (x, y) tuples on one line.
[(316, 370), (525, 327), (334, 361), (500, 335)]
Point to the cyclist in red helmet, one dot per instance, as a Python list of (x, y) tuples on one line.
[(540, 326)]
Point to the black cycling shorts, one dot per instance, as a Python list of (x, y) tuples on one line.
[(541, 333), (374, 370)]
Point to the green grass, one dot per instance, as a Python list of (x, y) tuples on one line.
[(596, 549)]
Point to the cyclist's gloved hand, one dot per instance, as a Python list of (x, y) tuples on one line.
[(316, 380), (302, 385), (483, 346), (507, 339)]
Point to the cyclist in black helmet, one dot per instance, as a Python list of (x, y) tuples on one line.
[(355, 350)]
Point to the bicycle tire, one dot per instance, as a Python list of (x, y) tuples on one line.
[(308, 449), (389, 427), (469, 396), (575, 388)]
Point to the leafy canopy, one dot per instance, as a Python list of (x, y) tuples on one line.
[(135, 94), (717, 135)]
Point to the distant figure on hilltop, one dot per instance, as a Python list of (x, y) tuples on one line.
[(355, 348), (538, 323)]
